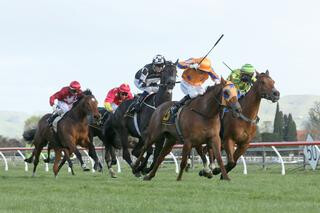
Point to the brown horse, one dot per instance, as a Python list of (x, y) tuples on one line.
[(44, 135), (73, 129), (240, 131), (197, 123)]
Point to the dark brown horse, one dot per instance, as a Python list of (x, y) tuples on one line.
[(240, 131), (198, 122), (44, 135), (73, 129)]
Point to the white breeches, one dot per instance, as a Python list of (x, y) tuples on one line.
[(63, 107), (192, 91)]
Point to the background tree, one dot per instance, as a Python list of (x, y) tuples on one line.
[(31, 122), (313, 124), (278, 124), (290, 133)]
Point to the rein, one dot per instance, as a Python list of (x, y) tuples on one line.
[(254, 122)]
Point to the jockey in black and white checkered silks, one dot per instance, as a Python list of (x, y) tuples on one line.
[(147, 78)]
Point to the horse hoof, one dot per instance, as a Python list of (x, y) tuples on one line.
[(147, 178), (137, 174), (209, 176), (28, 160), (225, 179), (201, 173), (85, 169), (216, 171)]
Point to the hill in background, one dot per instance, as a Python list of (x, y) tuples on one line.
[(12, 123)]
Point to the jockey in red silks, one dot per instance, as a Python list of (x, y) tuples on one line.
[(116, 96), (63, 100)]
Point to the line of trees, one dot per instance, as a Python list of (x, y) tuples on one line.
[(312, 126), (284, 128)]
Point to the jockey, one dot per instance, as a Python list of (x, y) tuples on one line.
[(147, 79), (194, 75), (116, 96), (243, 78), (66, 97)]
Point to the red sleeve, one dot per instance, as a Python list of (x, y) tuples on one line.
[(59, 95), (110, 96)]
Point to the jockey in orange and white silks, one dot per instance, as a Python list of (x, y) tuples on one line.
[(194, 75)]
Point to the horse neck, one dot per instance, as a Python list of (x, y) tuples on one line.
[(77, 113), (251, 103), (162, 95), (207, 104)]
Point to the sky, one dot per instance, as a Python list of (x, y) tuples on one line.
[(46, 44)]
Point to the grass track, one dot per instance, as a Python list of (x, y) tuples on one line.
[(259, 191)]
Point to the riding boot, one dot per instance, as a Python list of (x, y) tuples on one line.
[(137, 105), (52, 117), (178, 104)]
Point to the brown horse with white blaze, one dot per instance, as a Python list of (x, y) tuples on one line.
[(198, 121), (239, 132)]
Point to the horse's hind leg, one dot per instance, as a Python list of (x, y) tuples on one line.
[(185, 152), (164, 152), (79, 157), (206, 171), (67, 156), (37, 153), (93, 154)]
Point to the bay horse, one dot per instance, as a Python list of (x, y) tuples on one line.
[(197, 123), (73, 130), (125, 123), (44, 135), (240, 131)]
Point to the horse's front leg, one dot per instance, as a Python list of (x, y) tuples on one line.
[(93, 154), (185, 152), (229, 148), (216, 145), (206, 171), (240, 150), (108, 158)]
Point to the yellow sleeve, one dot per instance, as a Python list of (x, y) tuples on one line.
[(108, 106)]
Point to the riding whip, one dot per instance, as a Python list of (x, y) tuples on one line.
[(212, 48), (227, 66)]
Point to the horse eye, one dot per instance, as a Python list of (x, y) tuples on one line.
[(226, 94)]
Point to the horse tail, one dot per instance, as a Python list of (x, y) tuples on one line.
[(28, 135)]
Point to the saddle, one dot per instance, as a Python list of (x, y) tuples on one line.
[(130, 111)]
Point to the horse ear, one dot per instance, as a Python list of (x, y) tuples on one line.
[(175, 63), (267, 72), (222, 81), (257, 73)]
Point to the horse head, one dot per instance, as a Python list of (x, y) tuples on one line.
[(229, 97), (89, 104), (266, 87), (169, 75)]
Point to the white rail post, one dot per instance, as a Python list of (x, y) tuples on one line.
[(91, 160), (46, 168), (25, 163), (5, 161), (118, 165), (283, 171), (175, 162), (245, 171)]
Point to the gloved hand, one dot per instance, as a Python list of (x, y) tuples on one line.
[(153, 84), (194, 66), (54, 107)]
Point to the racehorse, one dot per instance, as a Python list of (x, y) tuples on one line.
[(73, 130), (124, 123), (43, 135), (197, 123), (240, 131)]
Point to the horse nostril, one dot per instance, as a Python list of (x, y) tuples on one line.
[(276, 93)]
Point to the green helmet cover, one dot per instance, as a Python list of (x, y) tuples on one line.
[(247, 69)]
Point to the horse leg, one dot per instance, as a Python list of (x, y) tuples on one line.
[(157, 150), (229, 148), (108, 159), (67, 156), (48, 154), (79, 157), (56, 161), (212, 165), (216, 145), (93, 154), (164, 152), (206, 171), (237, 153), (185, 152), (37, 153), (30, 159)]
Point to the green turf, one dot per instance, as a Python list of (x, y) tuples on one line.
[(259, 191)]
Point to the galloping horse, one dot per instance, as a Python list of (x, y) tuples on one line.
[(44, 135), (125, 124), (197, 123), (240, 131), (73, 130)]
